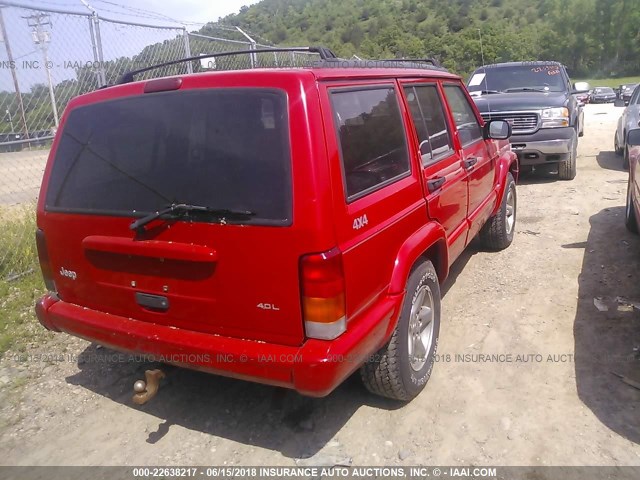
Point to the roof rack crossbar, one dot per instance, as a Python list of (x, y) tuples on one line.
[(429, 60), (325, 54)]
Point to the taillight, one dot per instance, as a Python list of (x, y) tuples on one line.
[(45, 263), (323, 299)]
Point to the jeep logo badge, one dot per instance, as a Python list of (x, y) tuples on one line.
[(68, 273)]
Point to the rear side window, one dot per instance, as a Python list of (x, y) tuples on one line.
[(372, 138), (219, 148), (469, 129), (428, 117)]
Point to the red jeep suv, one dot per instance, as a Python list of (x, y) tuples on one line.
[(286, 226)]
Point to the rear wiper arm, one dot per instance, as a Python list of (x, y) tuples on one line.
[(185, 208)]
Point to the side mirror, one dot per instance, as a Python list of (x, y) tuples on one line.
[(580, 87), (633, 137), (497, 130)]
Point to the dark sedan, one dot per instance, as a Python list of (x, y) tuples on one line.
[(603, 95), (626, 91)]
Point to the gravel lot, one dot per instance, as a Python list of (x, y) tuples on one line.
[(21, 175), (556, 402)]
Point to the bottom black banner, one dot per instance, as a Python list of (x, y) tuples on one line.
[(311, 472)]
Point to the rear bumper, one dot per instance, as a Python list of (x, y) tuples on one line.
[(315, 368), (550, 145)]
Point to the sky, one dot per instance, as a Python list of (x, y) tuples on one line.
[(198, 11), (192, 10), (69, 40)]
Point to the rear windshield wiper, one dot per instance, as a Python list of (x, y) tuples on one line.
[(525, 89), (185, 208)]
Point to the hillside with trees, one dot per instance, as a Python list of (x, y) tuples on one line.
[(592, 37)]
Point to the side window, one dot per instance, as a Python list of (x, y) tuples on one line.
[(468, 127), (428, 117), (372, 138), (635, 99)]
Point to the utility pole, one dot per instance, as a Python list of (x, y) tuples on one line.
[(10, 120), (96, 44), (42, 37), (252, 46), (5, 38)]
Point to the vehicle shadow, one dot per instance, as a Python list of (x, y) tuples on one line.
[(605, 340), (543, 174), (459, 265), (259, 415), (610, 161)]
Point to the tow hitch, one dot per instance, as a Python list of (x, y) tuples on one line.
[(145, 391)]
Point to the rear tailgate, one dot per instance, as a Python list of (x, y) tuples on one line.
[(225, 148)]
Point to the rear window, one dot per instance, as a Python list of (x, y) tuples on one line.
[(219, 148)]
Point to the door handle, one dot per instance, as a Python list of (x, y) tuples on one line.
[(154, 302), (435, 184), (470, 162)]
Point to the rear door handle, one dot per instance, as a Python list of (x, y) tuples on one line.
[(435, 184), (470, 162)]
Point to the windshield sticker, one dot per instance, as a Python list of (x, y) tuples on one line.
[(476, 79), (549, 69)]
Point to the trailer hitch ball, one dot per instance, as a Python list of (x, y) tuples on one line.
[(145, 391)]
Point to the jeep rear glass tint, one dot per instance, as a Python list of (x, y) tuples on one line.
[(428, 117), (372, 138), (219, 148)]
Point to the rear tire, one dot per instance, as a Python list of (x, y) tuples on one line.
[(616, 146), (625, 159), (401, 369), (567, 170), (497, 233), (630, 219)]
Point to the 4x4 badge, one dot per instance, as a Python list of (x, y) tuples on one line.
[(360, 222)]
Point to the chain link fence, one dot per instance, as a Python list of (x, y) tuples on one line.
[(205, 44), (47, 57)]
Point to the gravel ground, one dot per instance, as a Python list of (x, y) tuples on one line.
[(546, 397)]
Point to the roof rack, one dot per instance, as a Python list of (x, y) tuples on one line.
[(325, 54), (429, 61)]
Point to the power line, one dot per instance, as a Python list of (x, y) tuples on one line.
[(58, 4), (139, 12)]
